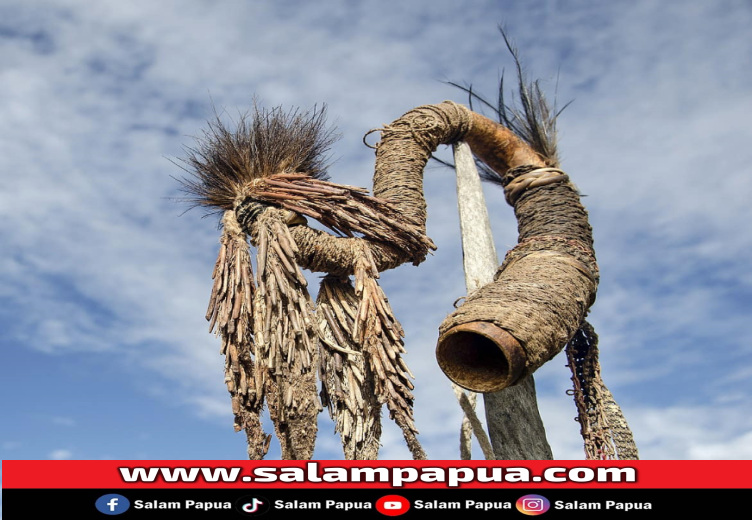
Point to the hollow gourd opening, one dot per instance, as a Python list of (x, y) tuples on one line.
[(480, 357)]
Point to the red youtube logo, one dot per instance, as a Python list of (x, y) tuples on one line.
[(392, 505)]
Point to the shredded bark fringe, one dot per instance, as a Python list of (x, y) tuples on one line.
[(229, 316), (286, 349), (347, 388)]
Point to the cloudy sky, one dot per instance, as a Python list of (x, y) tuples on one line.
[(104, 281)]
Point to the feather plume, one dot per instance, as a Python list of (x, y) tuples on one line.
[(265, 142), (530, 117)]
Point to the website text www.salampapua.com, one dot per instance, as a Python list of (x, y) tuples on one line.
[(394, 476)]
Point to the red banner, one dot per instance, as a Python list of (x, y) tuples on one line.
[(70, 474)]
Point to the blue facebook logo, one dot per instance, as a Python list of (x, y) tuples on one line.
[(112, 504)]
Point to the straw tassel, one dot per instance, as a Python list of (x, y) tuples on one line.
[(230, 316)]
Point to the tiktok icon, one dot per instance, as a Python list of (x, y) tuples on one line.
[(252, 505)]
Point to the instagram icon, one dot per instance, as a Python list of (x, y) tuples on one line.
[(533, 505)]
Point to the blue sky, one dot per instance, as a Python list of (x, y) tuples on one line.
[(104, 282)]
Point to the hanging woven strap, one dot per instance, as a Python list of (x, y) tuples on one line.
[(602, 424)]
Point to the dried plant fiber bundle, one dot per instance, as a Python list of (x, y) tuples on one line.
[(229, 315), (286, 342), (266, 175), (346, 391)]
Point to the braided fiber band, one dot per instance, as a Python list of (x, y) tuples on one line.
[(251, 209), (519, 179), (248, 211)]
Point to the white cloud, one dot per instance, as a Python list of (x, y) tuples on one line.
[(661, 433), (735, 448), (61, 454), (63, 421), (213, 407), (692, 432)]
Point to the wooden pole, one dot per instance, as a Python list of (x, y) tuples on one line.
[(512, 415)]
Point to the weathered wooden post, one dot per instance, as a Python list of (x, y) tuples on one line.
[(514, 423)]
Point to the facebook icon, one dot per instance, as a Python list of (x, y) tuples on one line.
[(112, 504)]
